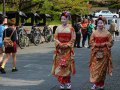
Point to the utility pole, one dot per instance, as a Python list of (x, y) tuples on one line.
[(4, 13)]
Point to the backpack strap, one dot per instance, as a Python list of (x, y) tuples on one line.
[(11, 33), (5, 32)]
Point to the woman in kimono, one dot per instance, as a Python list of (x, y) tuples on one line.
[(100, 57), (63, 63)]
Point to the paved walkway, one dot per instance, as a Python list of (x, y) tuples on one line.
[(35, 62)]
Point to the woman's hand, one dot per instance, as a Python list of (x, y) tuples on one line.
[(60, 44), (111, 74), (63, 45), (97, 45), (101, 44)]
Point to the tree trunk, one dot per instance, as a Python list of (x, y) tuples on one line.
[(4, 13)]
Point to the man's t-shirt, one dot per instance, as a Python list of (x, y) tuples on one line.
[(2, 28), (77, 27)]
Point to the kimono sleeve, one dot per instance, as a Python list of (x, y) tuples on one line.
[(73, 37), (110, 40), (92, 41), (57, 42)]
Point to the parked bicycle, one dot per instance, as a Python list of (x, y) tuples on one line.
[(34, 35), (46, 33), (22, 38)]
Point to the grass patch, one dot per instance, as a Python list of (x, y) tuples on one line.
[(53, 22)]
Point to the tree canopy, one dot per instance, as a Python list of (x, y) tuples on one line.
[(114, 4), (48, 6)]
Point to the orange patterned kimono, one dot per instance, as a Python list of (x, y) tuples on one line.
[(99, 67), (63, 63)]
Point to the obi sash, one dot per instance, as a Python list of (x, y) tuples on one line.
[(64, 37), (101, 39)]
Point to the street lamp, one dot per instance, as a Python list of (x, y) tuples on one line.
[(4, 7)]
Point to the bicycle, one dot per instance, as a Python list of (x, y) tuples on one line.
[(47, 33), (22, 38), (34, 36)]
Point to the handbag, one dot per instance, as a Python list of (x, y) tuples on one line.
[(99, 54), (117, 33)]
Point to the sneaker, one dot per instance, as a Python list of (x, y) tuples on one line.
[(88, 47), (101, 88), (2, 70), (68, 86), (79, 47), (14, 70), (93, 87), (62, 87)]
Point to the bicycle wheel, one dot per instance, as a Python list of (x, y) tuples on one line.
[(21, 39), (36, 37), (27, 41), (41, 35), (49, 35), (44, 34)]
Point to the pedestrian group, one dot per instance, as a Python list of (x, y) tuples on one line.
[(100, 42), (7, 38), (67, 37)]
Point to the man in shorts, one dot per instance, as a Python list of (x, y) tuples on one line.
[(2, 28)]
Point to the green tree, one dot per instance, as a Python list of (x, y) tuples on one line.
[(48, 6), (16, 5), (74, 6), (114, 4)]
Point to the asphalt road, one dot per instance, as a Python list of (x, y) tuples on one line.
[(34, 64)]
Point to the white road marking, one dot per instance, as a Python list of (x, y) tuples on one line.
[(19, 82)]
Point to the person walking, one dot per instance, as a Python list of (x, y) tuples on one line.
[(100, 57), (2, 28), (90, 29), (63, 63), (84, 25), (10, 32), (113, 28), (77, 27)]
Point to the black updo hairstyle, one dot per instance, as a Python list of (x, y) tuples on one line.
[(1, 19), (103, 19), (63, 14)]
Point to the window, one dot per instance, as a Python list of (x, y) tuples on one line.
[(110, 21), (105, 11)]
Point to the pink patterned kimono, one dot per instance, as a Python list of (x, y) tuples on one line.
[(100, 66), (63, 63)]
